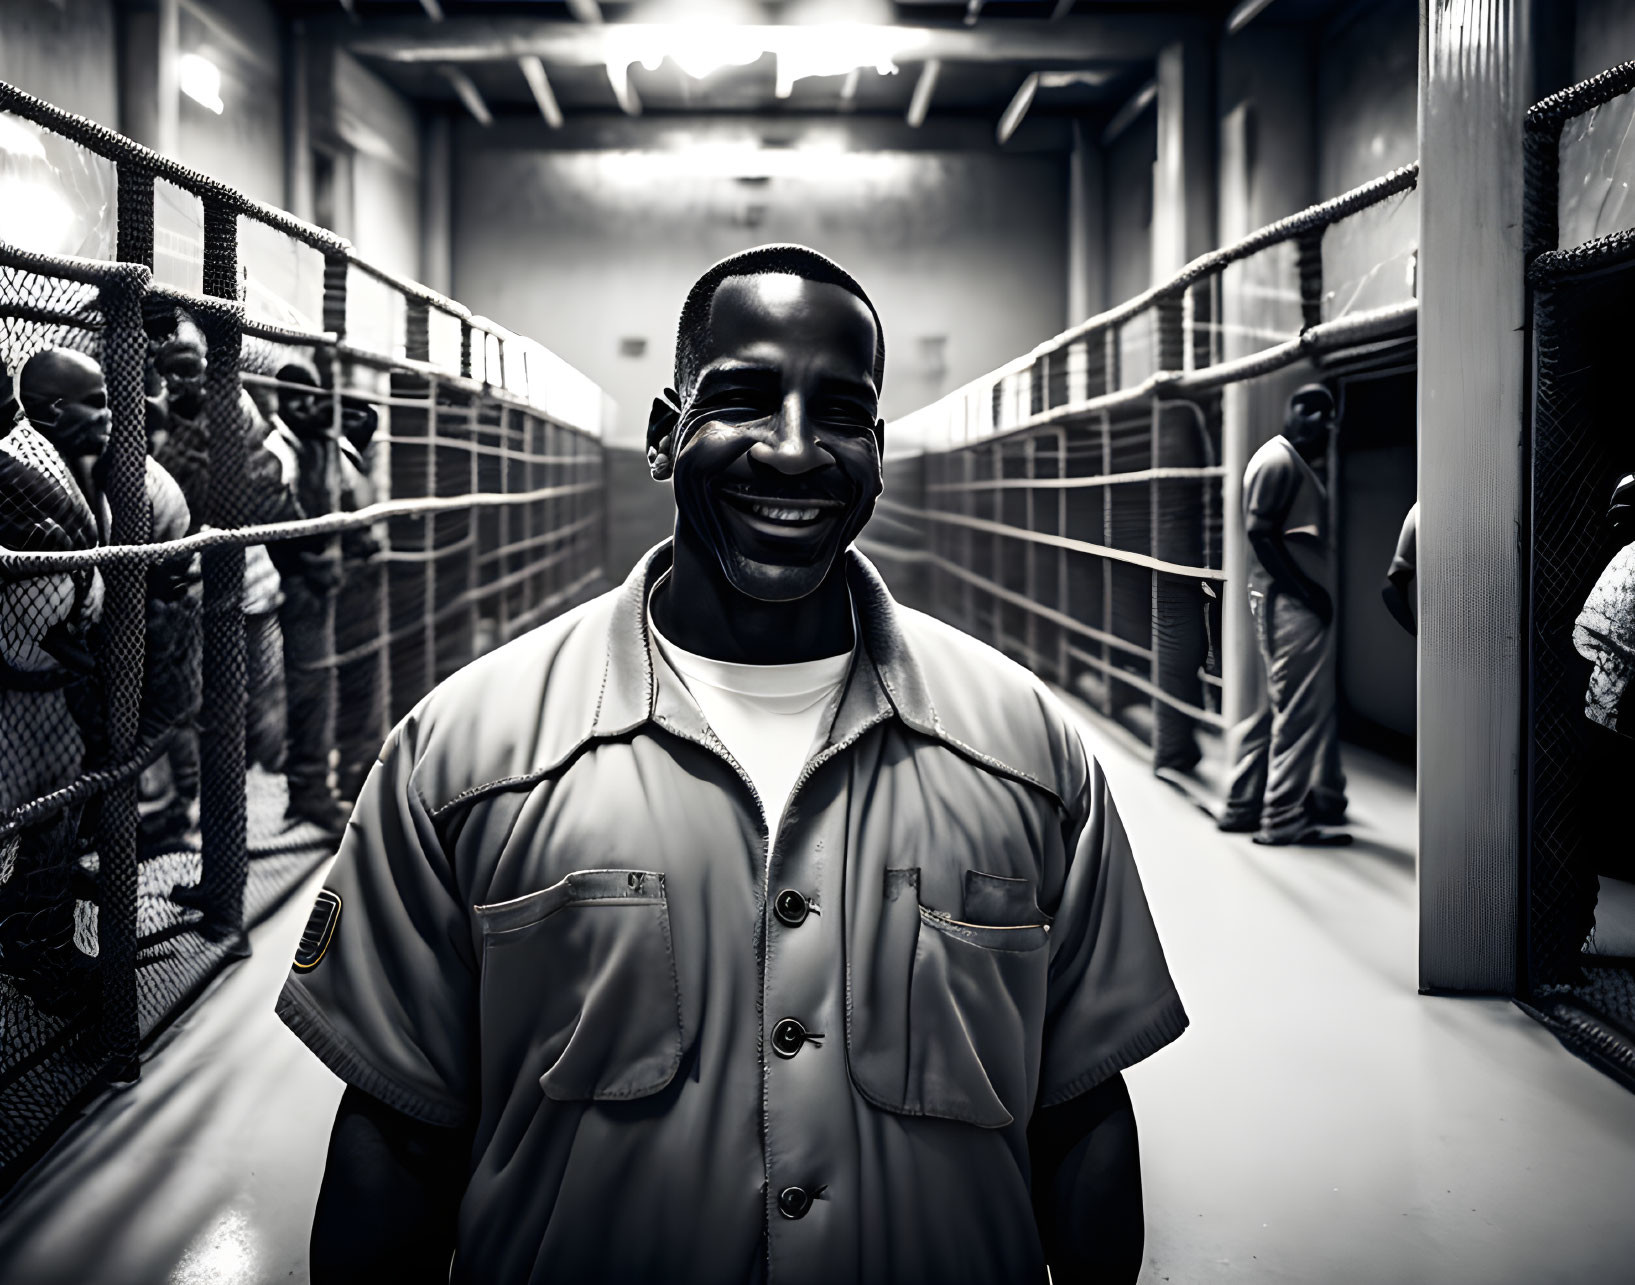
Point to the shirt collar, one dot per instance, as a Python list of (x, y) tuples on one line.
[(889, 682)]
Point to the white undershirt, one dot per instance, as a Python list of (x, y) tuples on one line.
[(768, 716)]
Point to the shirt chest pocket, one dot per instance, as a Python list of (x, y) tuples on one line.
[(943, 1014), (579, 981)]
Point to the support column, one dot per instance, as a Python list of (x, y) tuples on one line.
[(1086, 228), (1183, 227), (149, 110), (1267, 165), (1476, 83), (437, 202), (1183, 198), (298, 177)]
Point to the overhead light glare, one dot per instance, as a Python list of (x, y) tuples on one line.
[(742, 161), (34, 216), (821, 49), (20, 138), (200, 80)]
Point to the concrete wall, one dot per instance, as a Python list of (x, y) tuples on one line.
[(1604, 36), (1279, 141), (244, 145), (64, 52), (592, 253), (1128, 166), (1367, 124), (381, 130), (1367, 94), (1377, 487)]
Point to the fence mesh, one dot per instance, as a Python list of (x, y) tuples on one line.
[(1578, 769), (186, 708), (1582, 270), (1068, 508)]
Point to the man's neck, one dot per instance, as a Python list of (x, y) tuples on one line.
[(698, 609)]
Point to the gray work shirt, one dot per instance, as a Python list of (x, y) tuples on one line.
[(558, 926), (1283, 495)]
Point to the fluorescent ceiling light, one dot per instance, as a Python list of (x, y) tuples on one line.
[(744, 161), (200, 80), (819, 49)]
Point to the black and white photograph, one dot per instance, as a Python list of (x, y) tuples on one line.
[(817, 642)]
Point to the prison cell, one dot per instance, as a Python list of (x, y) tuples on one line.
[(1576, 833), (486, 468), (1072, 507)]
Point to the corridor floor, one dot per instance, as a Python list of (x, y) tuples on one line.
[(1320, 1122)]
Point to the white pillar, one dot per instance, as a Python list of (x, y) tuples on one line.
[(149, 110), (1086, 229), (437, 202), (1476, 83)]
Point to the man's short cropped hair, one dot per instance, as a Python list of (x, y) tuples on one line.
[(693, 334)]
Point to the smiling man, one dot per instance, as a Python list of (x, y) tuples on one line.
[(740, 925)]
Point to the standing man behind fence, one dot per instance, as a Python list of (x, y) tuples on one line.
[(69, 426), (1287, 785), (310, 568)]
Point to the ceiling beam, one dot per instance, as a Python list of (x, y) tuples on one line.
[(1128, 114), (1062, 9), (585, 10), (618, 75), (1081, 40), (1245, 13), (924, 87), (1018, 107), (533, 71), (468, 94), (434, 11), (827, 131), (973, 11)]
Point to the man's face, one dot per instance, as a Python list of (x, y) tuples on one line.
[(302, 405), (182, 364), (1309, 422), (778, 459), (83, 422)]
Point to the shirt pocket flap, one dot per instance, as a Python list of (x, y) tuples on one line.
[(939, 1012), (579, 981), (999, 902)]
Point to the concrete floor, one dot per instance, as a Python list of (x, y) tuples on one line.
[(1319, 1123)]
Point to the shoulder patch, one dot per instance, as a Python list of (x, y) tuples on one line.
[(319, 932)]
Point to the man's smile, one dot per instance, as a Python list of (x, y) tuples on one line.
[(791, 513)]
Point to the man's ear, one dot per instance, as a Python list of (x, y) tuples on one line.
[(661, 435)]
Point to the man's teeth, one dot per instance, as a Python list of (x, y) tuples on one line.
[(776, 513)]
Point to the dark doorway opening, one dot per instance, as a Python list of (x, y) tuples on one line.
[(1377, 475)]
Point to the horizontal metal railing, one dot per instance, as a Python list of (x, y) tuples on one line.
[(1048, 486)]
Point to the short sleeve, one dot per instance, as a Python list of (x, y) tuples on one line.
[(1269, 486), (1406, 558), (1110, 1001), (383, 988)]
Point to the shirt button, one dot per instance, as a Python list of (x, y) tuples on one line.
[(791, 907), (787, 1037), (793, 1202)]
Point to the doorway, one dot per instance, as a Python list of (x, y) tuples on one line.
[(1378, 481)]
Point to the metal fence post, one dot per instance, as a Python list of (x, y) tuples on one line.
[(222, 802), (122, 664)]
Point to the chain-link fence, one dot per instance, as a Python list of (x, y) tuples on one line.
[(256, 497), (1580, 238), (1068, 507)]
